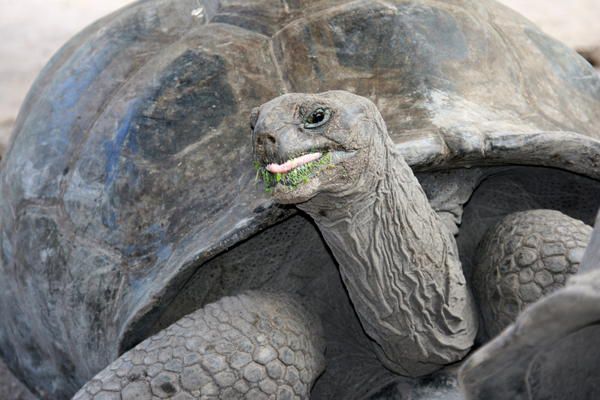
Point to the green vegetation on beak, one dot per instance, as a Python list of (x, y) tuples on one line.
[(293, 178)]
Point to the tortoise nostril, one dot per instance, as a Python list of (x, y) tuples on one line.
[(266, 138), (270, 138)]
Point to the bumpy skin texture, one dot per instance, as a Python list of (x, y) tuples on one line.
[(551, 351), (397, 259), (525, 256), (253, 346)]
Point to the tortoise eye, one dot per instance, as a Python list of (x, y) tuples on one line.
[(317, 118)]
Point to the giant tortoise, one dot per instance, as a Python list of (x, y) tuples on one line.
[(129, 198)]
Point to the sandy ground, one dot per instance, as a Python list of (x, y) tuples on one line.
[(32, 30)]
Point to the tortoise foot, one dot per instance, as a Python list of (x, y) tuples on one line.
[(524, 257), (255, 345)]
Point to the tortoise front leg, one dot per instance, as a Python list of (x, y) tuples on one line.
[(551, 351), (525, 256), (253, 346)]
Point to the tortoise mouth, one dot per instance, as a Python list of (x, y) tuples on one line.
[(297, 162), (300, 169)]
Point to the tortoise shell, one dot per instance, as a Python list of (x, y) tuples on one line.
[(130, 164)]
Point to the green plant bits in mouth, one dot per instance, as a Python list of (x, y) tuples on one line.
[(290, 175)]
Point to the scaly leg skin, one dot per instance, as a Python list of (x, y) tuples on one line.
[(551, 352), (525, 256), (253, 346)]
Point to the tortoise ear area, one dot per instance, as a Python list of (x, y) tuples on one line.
[(254, 117)]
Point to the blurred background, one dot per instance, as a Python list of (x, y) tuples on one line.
[(32, 30)]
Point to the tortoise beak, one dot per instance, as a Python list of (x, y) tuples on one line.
[(286, 143)]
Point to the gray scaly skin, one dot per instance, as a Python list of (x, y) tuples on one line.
[(551, 351), (397, 259), (252, 346), (525, 256)]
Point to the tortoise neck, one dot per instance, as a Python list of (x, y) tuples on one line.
[(401, 268)]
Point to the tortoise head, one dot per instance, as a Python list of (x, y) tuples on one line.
[(306, 144)]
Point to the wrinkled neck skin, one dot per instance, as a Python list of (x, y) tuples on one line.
[(399, 264)]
